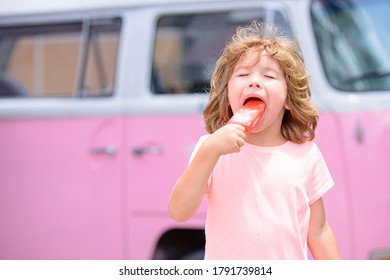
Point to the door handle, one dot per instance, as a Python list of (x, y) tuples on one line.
[(109, 150), (153, 150)]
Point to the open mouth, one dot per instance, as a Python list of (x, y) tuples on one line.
[(254, 99)]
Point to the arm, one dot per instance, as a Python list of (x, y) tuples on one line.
[(187, 194), (321, 240)]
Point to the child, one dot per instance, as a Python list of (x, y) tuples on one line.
[(264, 188)]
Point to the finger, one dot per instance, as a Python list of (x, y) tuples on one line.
[(240, 143), (237, 149), (239, 126), (241, 134)]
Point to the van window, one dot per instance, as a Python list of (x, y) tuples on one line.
[(353, 38), (59, 60), (187, 46)]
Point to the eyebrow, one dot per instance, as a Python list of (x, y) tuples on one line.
[(277, 71), (265, 68)]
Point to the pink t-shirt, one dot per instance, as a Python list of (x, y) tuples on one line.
[(259, 201)]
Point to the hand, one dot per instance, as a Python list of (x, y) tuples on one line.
[(227, 139)]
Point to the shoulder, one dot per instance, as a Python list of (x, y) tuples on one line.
[(203, 138), (307, 153), (198, 144), (307, 148), (201, 141)]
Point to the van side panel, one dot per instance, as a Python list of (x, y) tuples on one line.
[(337, 201), (366, 135), (58, 199)]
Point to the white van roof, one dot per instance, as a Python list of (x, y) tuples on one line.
[(29, 7)]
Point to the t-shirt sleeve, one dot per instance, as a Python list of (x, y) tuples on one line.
[(321, 180), (196, 148)]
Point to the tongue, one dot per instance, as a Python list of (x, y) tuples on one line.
[(249, 114)]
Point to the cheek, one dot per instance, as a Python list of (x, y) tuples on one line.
[(233, 99), (280, 93), (278, 98)]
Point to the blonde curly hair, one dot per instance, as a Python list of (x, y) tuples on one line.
[(300, 120)]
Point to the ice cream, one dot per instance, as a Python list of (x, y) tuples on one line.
[(249, 114)]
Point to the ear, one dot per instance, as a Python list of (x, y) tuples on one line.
[(287, 105)]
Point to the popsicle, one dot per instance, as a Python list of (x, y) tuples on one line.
[(249, 114)]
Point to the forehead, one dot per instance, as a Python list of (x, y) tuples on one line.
[(253, 57)]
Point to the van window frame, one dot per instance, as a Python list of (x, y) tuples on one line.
[(268, 10), (87, 27)]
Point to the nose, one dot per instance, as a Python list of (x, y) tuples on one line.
[(255, 82)]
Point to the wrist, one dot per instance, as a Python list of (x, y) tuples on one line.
[(210, 150)]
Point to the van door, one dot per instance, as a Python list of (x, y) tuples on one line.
[(60, 194)]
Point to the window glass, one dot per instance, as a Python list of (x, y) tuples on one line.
[(58, 60), (353, 38), (187, 46), (101, 59)]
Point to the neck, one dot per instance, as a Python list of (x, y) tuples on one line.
[(265, 139)]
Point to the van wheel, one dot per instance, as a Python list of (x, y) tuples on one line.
[(183, 244), (193, 255)]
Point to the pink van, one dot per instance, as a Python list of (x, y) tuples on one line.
[(101, 105)]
